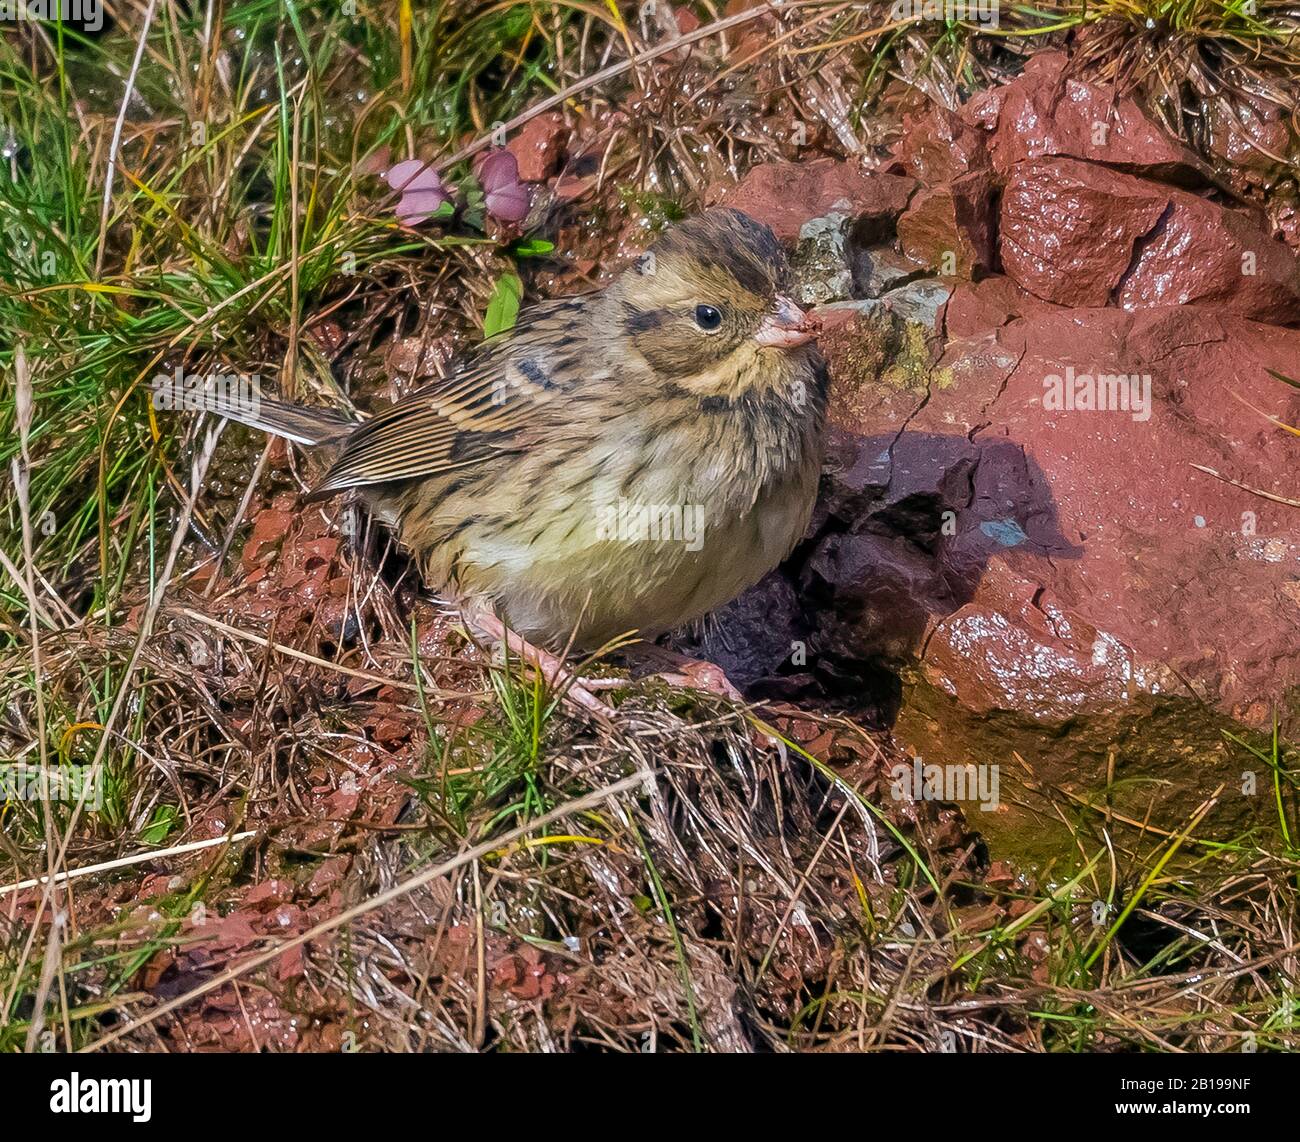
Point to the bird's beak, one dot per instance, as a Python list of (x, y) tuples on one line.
[(787, 326)]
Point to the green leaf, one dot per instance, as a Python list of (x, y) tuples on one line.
[(474, 212), (531, 247), (164, 820), (503, 307)]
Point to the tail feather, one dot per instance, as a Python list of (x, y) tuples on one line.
[(296, 422)]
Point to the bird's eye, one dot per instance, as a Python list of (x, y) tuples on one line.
[(707, 317)]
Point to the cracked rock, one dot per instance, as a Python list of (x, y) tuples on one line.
[(1076, 233)]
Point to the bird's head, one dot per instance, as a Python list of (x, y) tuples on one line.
[(708, 308)]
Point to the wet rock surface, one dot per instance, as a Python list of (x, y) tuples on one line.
[(1081, 234), (1069, 230), (788, 195), (538, 148), (950, 228), (1062, 585), (1019, 557), (1045, 112)]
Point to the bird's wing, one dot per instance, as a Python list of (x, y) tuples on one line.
[(479, 412)]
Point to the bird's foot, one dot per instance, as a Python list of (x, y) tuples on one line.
[(678, 669), (572, 689), (681, 670), (694, 674)]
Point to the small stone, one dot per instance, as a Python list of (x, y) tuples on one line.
[(820, 261), (919, 302), (878, 269), (539, 146), (940, 145), (950, 228)]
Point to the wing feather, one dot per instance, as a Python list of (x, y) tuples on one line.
[(468, 417)]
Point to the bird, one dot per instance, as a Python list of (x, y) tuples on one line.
[(622, 461)]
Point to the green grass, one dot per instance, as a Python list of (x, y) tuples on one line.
[(495, 764), (237, 213), (204, 261)]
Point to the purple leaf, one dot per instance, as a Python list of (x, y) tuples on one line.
[(506, 197), (421, 189)]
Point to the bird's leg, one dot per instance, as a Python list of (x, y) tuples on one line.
[(485, 623)]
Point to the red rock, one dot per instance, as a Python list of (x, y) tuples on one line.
[(786, 195), (1204, 253), (269, 529), (1091, 562), (1059, 592), (569, 188), (941, 145), (1059, 672), (1076, 233), (950, 228), (977, 307), (1251, 133), (213, 932), (1041, 114), (1068, 229), (1284, 218), (754, 35), (539, 146), (268, 895), (291, 964), (391, 731), (331, 872)]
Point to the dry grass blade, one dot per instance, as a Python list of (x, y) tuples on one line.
[(578, 805)]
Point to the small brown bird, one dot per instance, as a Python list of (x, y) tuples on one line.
[(626, 460)]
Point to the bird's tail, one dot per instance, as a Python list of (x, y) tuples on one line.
[(296, 422)]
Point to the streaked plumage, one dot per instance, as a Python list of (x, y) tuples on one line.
[(503, 478)]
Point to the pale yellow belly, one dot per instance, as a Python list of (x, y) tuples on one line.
[(642, 571)]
